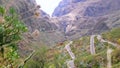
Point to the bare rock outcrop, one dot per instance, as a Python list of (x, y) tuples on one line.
[(85, 17)]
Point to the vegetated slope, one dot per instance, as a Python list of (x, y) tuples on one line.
[(57, 56), (99, 60), (112, 35)]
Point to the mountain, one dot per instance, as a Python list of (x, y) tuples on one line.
[(35, 19), (77, 18), (65, 7), (81, 34), (71, 19), (87, 7)]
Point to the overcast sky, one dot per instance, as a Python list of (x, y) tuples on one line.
[(48, 5)]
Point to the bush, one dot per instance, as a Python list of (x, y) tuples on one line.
[(91, 61), (113, 35), (39, 59), (11, 30), (116, 56)]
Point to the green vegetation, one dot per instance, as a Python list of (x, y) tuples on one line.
[(39, 59), (56, 57), (112, 35), (11, 30), (116, 58), (46, 57), (85, 60)]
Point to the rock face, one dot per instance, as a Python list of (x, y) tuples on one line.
[(35, 19), (71, 19), (89, 7), (65, 7), (83, 17)]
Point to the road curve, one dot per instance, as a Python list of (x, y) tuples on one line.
[(70, 63), (99, 37)]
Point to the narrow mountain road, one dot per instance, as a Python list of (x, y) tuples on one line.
[(99, 37), (70, 63), (67, 47), (92, 47)]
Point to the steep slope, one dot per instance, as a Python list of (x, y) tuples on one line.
[(86, 7), (65, 7), (35, 19), (61, 55), (83, 17)]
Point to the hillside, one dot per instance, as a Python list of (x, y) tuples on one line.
[(59, 56), (85, 17), (80, 34)]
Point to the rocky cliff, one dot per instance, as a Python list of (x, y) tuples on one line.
[(83, 17), (87, 7), (35, 19), (71, 19)]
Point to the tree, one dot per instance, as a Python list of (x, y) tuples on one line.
[(11, 30)]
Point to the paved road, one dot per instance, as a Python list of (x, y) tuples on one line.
[(67, 47), (70, 63), (99, 37), (92, 46)]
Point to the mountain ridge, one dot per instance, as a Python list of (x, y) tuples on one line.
[(86, 17)]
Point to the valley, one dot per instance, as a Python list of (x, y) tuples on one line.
[(79, 34)]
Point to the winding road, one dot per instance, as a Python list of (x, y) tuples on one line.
[(70, 63), (92, 46), (99, 37), (67, 47)]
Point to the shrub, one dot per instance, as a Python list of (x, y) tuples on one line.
[(11, 30)]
